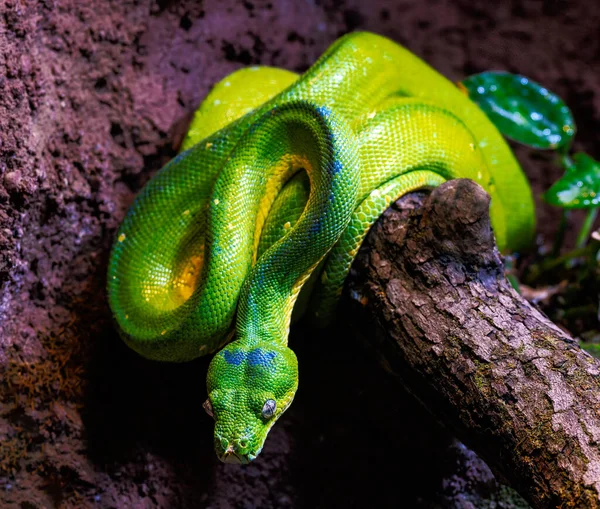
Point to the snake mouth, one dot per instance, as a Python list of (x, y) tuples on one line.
[(235, 458)]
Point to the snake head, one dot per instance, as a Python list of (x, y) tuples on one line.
[(249, 388)]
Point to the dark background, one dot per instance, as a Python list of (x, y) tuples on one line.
[(94, 98)]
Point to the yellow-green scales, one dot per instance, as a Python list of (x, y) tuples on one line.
[(281, 175)]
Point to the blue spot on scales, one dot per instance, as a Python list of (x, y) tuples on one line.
[(259, 357), (179, 157), (316, 227), (256, 357), (337, 166), (234, 358), (324, 111)]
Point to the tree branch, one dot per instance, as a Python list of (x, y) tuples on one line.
[(428, 294)]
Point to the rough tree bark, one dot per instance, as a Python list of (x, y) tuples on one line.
[(428, 291)]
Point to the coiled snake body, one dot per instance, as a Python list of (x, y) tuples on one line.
[(281, 178)]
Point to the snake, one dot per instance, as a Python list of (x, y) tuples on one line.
[(255, 223)]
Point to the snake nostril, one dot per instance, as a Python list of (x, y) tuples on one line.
[(243, 443)]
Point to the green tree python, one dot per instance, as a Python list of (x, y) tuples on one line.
[(280, 178)]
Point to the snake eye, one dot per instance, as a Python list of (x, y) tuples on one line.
[(208, 408), (269, 408)]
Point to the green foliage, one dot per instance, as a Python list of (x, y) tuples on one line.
[(592, 349), (522, 109), (532, 115), (579, 187)]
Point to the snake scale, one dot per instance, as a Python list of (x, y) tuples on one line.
[(280, 178)]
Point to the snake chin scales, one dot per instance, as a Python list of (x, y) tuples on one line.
[(250, 387), (279, 180)]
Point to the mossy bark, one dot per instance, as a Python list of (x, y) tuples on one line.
[(429, 295)]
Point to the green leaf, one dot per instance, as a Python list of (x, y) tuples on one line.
[(522, 109), (514, 282), (591, 348), (578, 188)]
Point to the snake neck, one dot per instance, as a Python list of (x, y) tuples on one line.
[(327, 145)]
